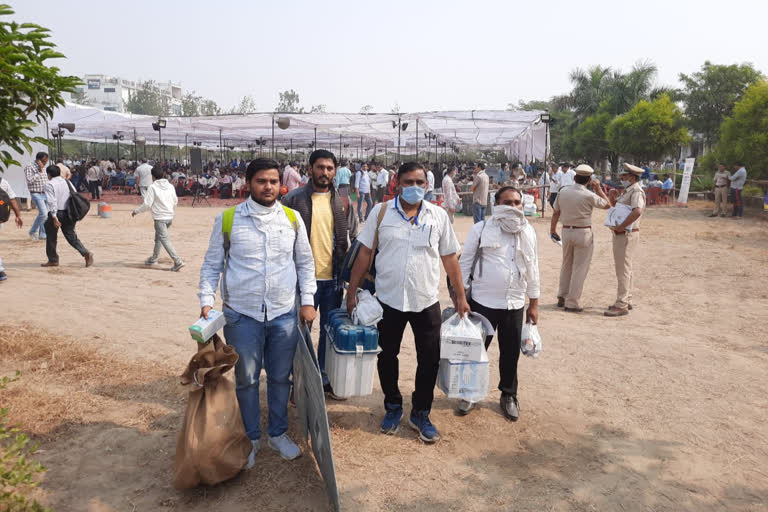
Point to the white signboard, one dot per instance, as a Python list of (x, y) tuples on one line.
[(686, 183)]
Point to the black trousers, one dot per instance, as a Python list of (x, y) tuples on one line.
[(552, 197), (52, 233), (93, 186), (509, 324), (426, 333)]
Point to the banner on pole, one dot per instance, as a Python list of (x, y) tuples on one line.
[(685, 185)]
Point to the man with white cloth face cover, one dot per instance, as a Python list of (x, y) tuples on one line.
[(414, 236), (269, 255), (506, 271)]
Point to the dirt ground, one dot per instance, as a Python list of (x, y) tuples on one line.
[(662, 410)]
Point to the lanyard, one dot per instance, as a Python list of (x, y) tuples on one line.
[(415, 218)]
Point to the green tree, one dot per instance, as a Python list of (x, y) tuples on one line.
[(190, 104), (289, 102), (29, 83), (648, 131), (624, 90), (318, 109), (590, 89), (246, 105), (745, 134), (366, 109), (209, 108), (589, 138), (148, 100), (711, 93)]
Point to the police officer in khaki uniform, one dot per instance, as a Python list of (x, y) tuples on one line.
[(573, 207), (625, 241), (721, 184)]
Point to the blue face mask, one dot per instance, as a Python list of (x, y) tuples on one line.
[(413, 195)]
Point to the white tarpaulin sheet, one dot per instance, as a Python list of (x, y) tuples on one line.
[(519, 132)]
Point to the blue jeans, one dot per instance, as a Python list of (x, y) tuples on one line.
[(327, 297), (363, 196), (38, 227), (478, 213), (271, 345)]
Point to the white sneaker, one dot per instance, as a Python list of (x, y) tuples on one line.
[(34, 236), (252, 456), (283, 444)]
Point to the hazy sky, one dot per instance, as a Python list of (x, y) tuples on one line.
[(423, 55)]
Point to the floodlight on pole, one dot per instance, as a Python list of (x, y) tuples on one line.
[(158, 127)]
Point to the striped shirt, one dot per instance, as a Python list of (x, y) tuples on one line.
[(36, 179)]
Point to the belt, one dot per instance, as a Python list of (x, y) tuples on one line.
[(625, 232), (577, 227)]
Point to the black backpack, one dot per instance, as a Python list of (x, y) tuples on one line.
[(77, 204), (5, 205)]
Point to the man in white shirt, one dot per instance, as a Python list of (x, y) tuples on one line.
[(94, 174), (414, 236), (567, 178), (57, 192), (143, 177), (6, 187), (506, 270), (555, 186), (161, 200), (738, 179), (260, 258), (430, 195), (363, 186), (382, 180)]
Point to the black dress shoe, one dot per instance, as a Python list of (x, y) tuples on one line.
[(561, 302), (574, 310), (510, 407)]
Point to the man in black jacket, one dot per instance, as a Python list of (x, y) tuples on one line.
[(323, 214)]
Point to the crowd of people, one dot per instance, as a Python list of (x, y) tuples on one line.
[(296, 224)]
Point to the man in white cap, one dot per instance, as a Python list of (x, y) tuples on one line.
[(573, 207), (625, 241)]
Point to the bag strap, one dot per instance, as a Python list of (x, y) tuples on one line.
[(227, 219), (382, 212), (478, 254), (291, 214)]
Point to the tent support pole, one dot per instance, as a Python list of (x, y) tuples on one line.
[(417, 139), (273, 136), (398, 138), (315, 147)]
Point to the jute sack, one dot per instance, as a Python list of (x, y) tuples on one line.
[(212, 445)]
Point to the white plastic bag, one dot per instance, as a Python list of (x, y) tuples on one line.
[(368, 310), (462, 339), (530, 341), (617, 214)]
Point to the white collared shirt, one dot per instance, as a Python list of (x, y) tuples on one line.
[(504, 282), (408, 262), (265, 262), (56, 194), (430, 181), (555, 188), (567, 178)]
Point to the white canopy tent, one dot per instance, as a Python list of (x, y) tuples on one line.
[(520, 133)]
